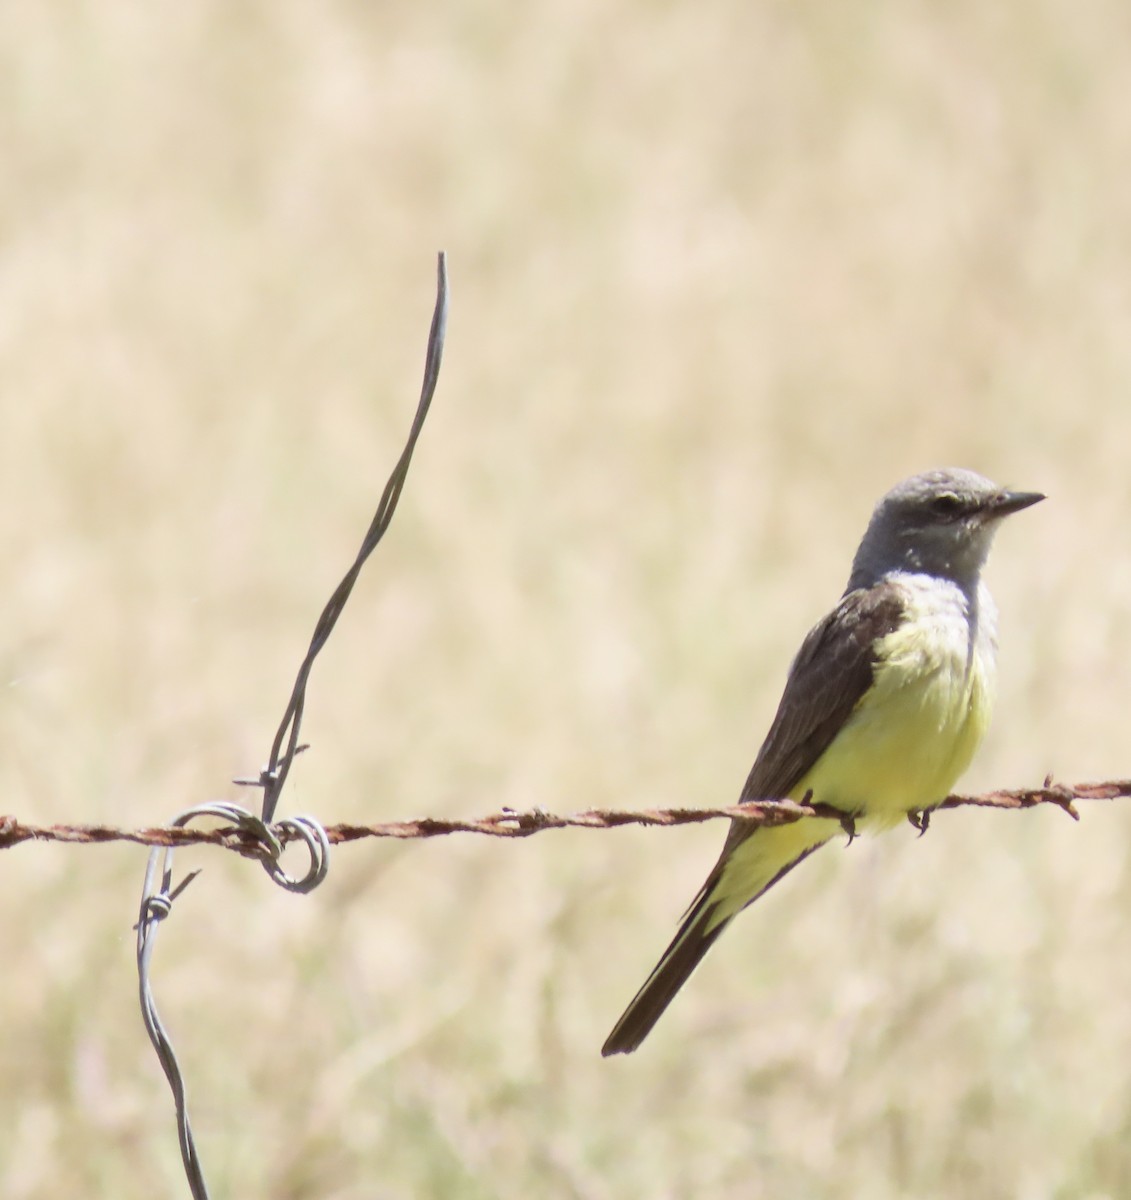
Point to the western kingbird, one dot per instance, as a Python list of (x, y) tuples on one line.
[(883, 708)]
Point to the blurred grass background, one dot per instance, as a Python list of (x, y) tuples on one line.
[(721, 274)]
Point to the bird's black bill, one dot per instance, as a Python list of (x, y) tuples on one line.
[(1005, 503)]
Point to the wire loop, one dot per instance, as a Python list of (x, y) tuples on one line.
[(313, 836)]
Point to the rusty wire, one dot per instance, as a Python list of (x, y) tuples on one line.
[(510, 824)]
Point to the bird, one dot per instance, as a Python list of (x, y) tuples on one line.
[(884, 706)]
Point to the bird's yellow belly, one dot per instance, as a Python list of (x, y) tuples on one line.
[(910, 737), (914, 732)]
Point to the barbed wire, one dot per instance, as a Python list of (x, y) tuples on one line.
[(257, 836), (274, 774), (247, 839)]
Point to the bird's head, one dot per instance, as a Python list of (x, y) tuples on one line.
[(939, 523)]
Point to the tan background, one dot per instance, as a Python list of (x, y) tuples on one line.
[(721, 274)]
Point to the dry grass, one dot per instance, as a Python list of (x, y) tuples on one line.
[(721, 274)]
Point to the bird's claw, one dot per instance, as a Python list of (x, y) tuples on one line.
[(848, 824), (920, 819)]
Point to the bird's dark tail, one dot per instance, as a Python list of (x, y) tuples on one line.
[(767, 855), (695, 937)]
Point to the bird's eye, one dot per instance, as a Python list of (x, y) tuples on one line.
[(946, 505)]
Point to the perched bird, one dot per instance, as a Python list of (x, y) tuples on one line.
[(883, 708)]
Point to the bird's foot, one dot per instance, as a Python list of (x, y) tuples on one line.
[(920, 819), (848, 824)]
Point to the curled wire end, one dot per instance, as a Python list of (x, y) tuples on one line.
[(270, 840), (311, 833)]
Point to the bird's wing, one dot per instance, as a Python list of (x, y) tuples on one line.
[(832, 671)]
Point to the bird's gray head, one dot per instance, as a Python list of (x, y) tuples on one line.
[(938, 523)]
